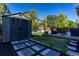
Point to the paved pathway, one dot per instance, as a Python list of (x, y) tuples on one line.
[(72, 49), (32, 48)]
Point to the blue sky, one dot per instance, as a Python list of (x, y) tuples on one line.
[(44, 9)]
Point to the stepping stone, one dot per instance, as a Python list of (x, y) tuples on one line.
[(20, 46), (49, 52), (74, 44), (72, 48), (37, 47), (25, 52), (72, 53), (74, 41), (29, 43), (15, 42), (20, 41)]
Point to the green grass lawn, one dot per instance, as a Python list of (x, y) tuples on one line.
[(56, 43)]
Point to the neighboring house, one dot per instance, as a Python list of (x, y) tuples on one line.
[(16, 27)]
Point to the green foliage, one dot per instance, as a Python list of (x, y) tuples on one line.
[(52, 21), (43, 23), (4, 10), (62, 20), (59, 21), (56, 43), (35, 21), (72, 24)]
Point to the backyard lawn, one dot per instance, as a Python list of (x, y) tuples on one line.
[(56, 43)]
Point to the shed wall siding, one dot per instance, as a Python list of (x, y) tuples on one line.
[(6, 29)]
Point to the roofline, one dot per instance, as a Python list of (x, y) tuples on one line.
[(27, 17), (18, 13), (14, 14)]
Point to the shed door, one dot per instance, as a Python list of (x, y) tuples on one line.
[(19, 29)]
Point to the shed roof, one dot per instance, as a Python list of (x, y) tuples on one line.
[(18, 15)]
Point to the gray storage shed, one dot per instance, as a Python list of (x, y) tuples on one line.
[(16, 27)]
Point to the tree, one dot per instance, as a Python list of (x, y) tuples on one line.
[(35, 21), (59, 21), (45, 23), (4, 10), (62, 20), (52, 21), (72, 24)]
